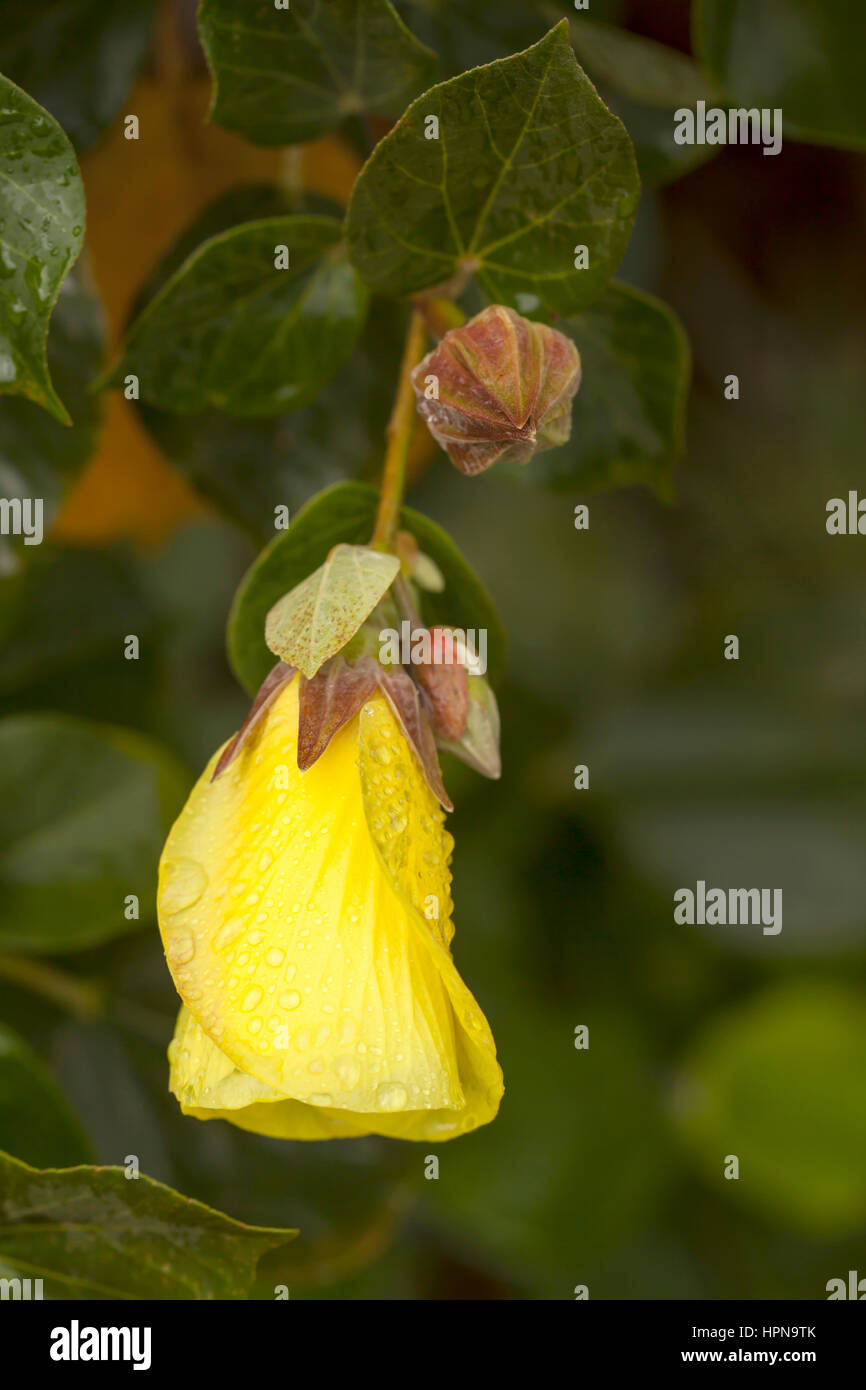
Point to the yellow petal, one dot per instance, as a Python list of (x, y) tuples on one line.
[(320, 998)]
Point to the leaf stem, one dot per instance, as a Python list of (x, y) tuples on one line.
[(84, 997), (399, 435)]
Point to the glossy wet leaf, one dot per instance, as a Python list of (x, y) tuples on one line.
[(284, 76), (93, 1233), (36, 1121), (79, 60), (39, 457), (628, 417), (41, 230), (230, 330), (528, 165), (805, 56), (317, 618), (346, 513), (83, 813), (780, 1082)]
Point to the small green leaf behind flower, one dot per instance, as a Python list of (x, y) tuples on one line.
[(318, 617), (41, 231), (345, 513)]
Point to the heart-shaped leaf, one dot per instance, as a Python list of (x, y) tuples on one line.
[(92, 1233), (346, 513), (41, 229), (284, 75), (318, 617), (234, 329), (505, 171)]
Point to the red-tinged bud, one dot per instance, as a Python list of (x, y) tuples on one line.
[(443, 680), (498, 389)]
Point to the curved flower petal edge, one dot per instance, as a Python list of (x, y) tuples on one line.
[(306, 918)]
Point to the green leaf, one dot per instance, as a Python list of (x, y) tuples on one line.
[(40, 458), (528, 164), (84, 810), (346, 514), (36, 1124), (628, 418), (41, 229), (338, 435), (805, 56), (284, 76), (92, 1233), (646, 72), (780, 1081), (318, 617), (78, 60), (231, 330)]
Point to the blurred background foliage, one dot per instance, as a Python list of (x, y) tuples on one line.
[(605, 1166)]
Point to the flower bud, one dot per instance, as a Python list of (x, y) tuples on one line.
[(498, 389), (444, 682)]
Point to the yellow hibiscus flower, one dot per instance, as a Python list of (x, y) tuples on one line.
[(306, 918)]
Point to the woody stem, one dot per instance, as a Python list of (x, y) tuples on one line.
[(399, 436)]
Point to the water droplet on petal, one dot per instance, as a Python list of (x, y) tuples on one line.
[(180, 946), (391, 1096), (348, 1069), (183, 882), (251, 998), (228, 932)]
